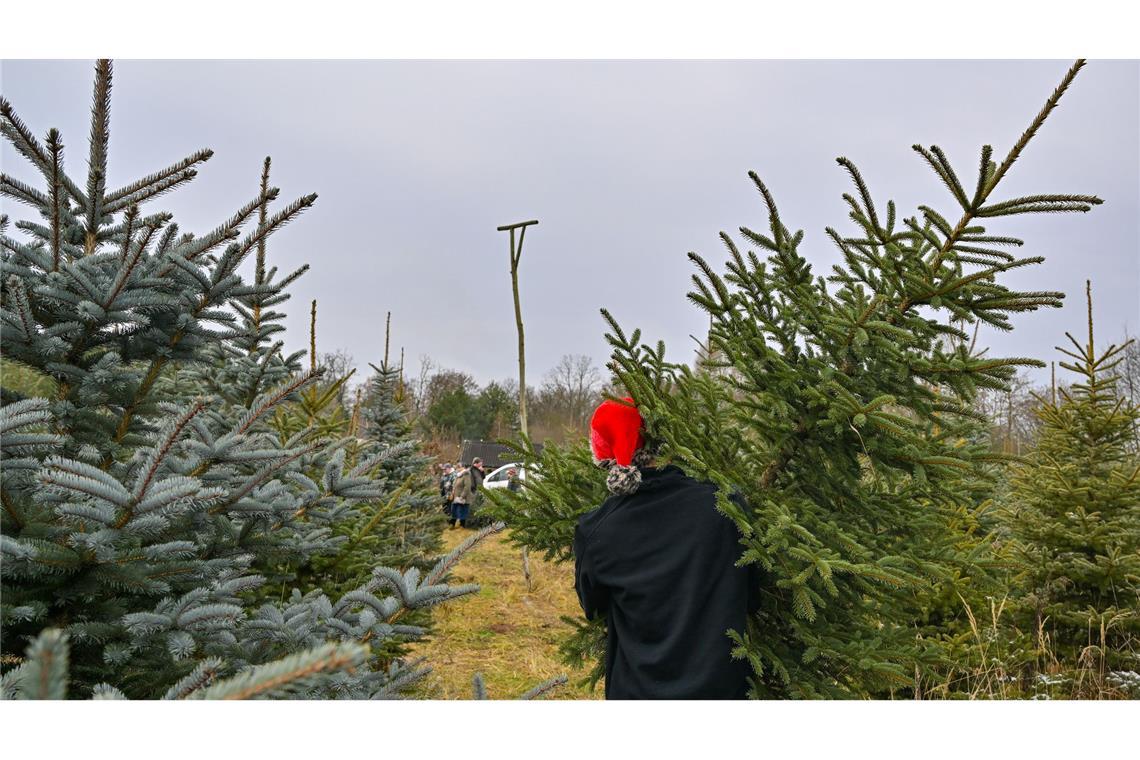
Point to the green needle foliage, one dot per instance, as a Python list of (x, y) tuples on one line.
[(1075, 515), (544, 513), (403, 528), (840, 408), (384, 418), (479, 688), (150, 509), (44, 675)]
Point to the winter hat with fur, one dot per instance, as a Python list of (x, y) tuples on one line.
[(617, 441)]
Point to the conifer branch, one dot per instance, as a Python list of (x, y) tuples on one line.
[(445, 565), (864, 193), (544, 688), (202, 676), (290, 675), (986, 171), (162, 449), (22, 138), (313, 337), (986, 184), (26, 144), (82, 478), (233, 257), (23, 192), (259, 269), (1034, 126), (128, 233), (44, 674), (166, 241), (1091, 348), (194, 159), (100, 137), (151, 191), (270, 400), (263, 475), (143, 390), (55, 148), (228, 230), (259, 374), (383, 511), (388, 334), (10, 508), (773, 215), (22, 307)]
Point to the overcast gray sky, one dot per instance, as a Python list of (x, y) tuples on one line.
[(628, 165)]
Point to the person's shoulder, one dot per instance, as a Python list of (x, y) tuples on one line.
[(673, 479), (589, 522), (679, 490)]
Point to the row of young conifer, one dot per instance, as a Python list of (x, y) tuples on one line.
[(189, 512), (186, 514)]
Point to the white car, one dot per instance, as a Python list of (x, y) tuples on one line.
[(500, 477)]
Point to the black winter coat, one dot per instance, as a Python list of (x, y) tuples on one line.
[(660, 565)]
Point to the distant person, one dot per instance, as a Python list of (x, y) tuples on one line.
[(462, 494), (477, 474), (513, 482), (658, 562), (446, 481)]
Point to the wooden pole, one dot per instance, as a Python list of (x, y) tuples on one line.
[(516, 255)]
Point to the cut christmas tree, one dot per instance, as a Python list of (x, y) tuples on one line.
[(840, 408)]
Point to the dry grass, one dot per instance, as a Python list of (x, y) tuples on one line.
[(1003, 665), (506, 633)]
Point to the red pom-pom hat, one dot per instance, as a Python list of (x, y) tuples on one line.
[(615, 431)]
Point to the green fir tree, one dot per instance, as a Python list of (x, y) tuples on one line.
[(1075, 518), (840, 408)]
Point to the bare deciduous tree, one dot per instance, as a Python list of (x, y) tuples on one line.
[(336, 364), (1013, 424), (419, 391), (570, 390), (1129, 383), (445, 381)]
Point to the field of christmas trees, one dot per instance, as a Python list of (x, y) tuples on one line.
[(192, 512)]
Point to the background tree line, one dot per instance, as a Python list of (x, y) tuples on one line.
[(447, 406)]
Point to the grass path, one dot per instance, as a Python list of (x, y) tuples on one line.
[(506, 633)]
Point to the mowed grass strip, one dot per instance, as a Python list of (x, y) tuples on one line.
[(506, 633)]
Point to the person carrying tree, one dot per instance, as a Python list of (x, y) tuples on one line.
[(658, 561)]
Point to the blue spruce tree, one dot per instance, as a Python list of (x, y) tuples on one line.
[(402, 528), (148, 504)]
